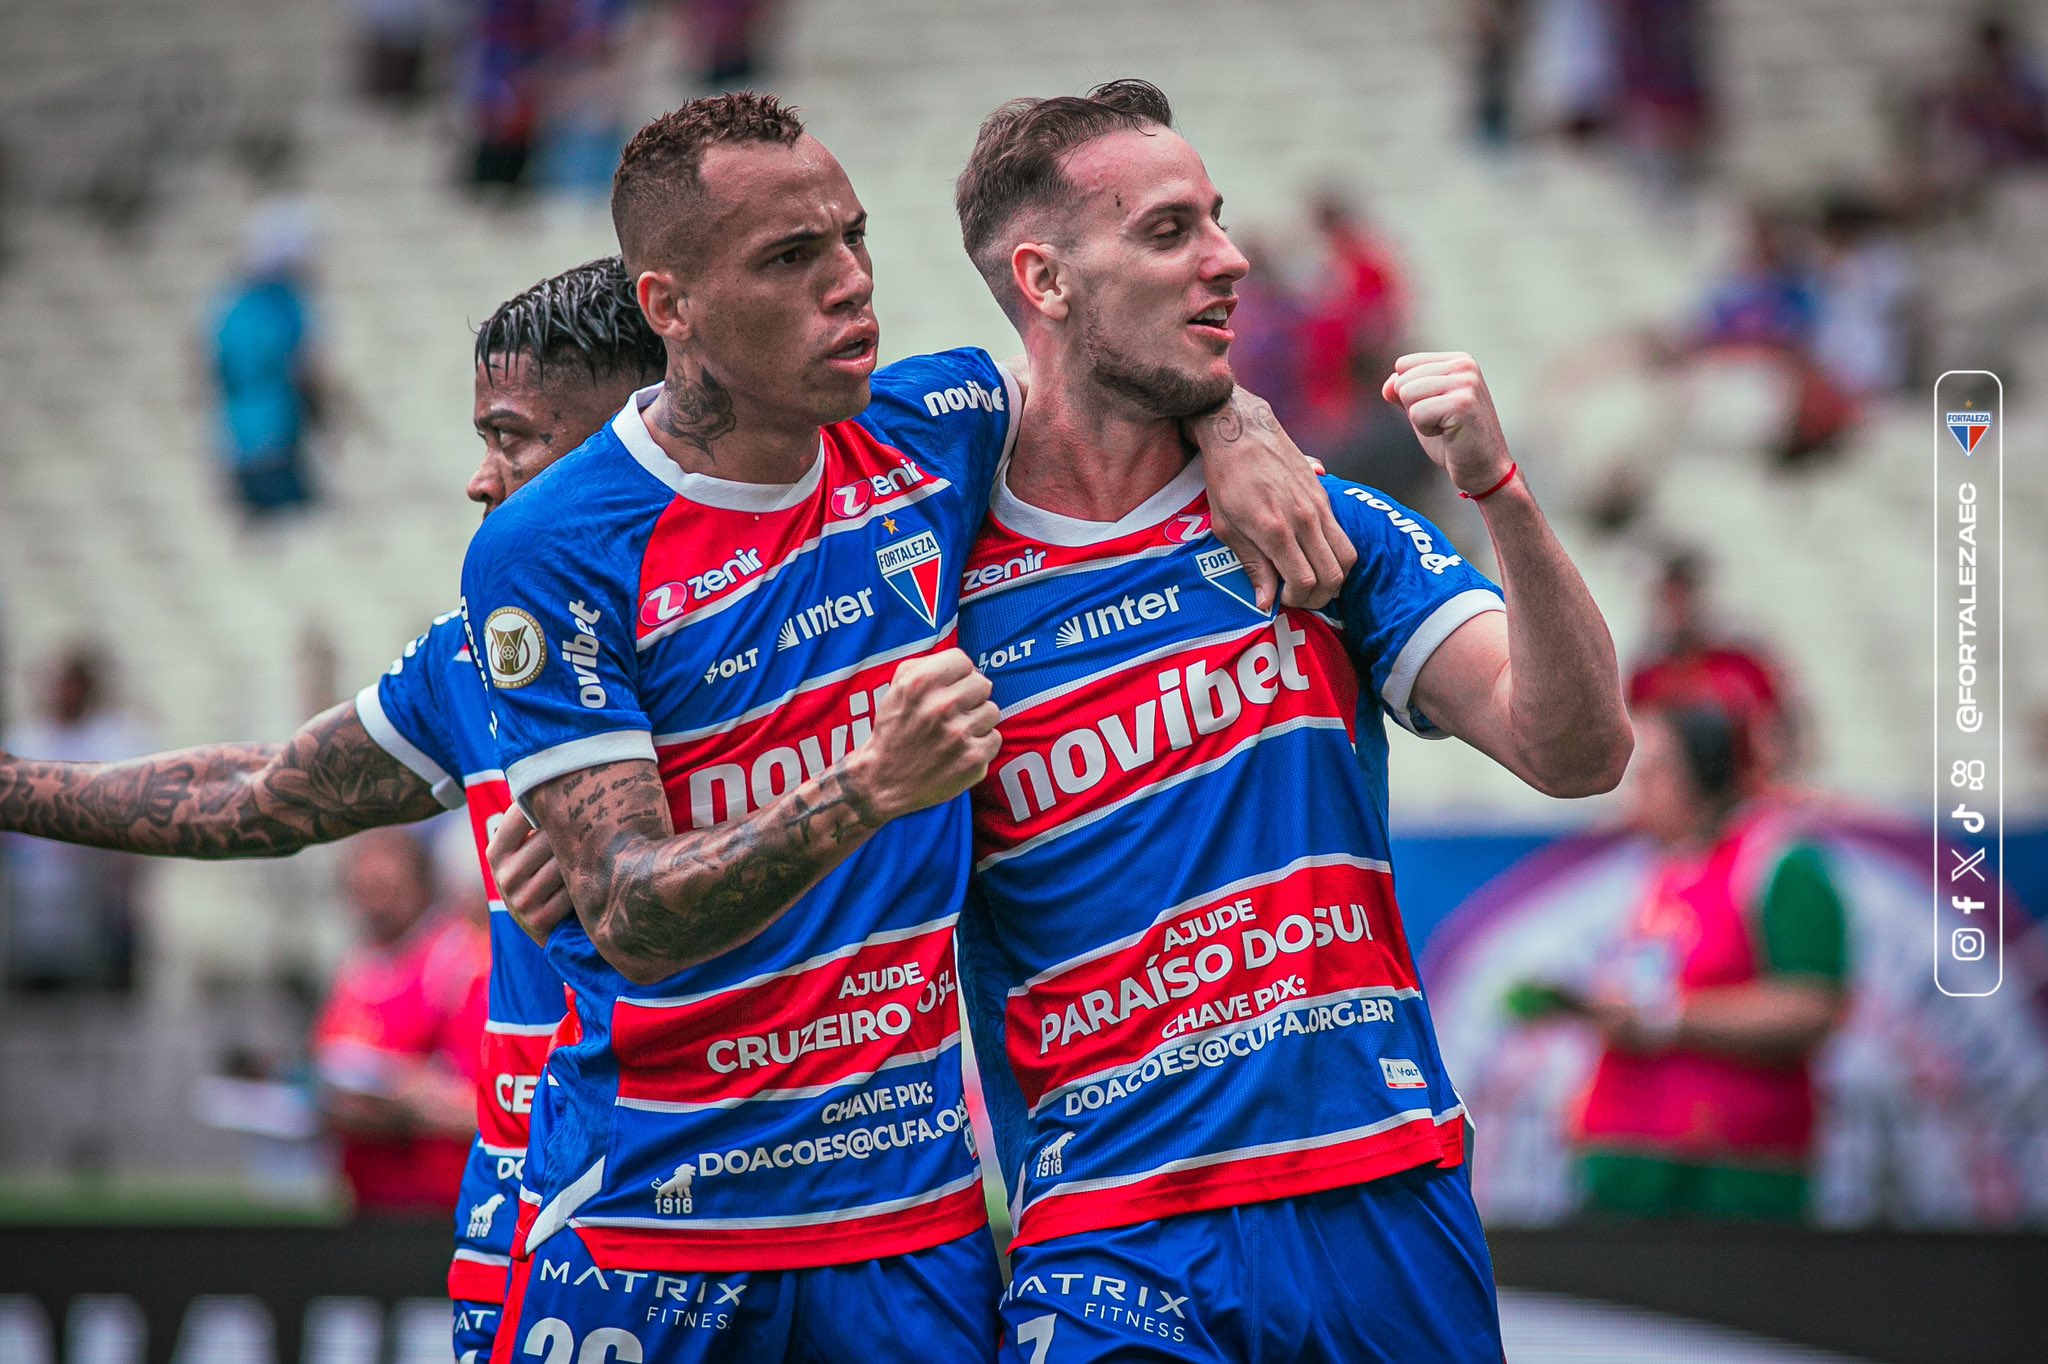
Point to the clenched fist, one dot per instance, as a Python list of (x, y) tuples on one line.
[(1446, 400), (529, 879), (935, 735)]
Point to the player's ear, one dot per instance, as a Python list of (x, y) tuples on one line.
[(1035, 268), (665, 304)]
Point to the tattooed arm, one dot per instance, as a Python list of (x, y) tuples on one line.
[(329, 780), (1268, 505), (655, 901)]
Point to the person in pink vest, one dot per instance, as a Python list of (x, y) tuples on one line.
[(1729, 976)]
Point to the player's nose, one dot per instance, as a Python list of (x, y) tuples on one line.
[(1225, 263), (486, 487), (854, 282)]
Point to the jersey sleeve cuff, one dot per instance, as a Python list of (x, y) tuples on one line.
[(619, 746), (370, 710), (1436, 627)]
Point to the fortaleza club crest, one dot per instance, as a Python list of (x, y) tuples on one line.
[(911, 568), (1223, 569), (1968, 428)]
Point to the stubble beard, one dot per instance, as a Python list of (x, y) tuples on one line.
[(1158, 389)]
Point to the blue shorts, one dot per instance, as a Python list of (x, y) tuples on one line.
[(476, 1327), (1388, 1272), (935, 1306)]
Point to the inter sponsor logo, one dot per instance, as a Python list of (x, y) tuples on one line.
[(825, 617), (1199, 700), (1116, 617)]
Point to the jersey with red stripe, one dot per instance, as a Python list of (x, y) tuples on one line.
[(797, 1100), (429, 711), (1183, 934)]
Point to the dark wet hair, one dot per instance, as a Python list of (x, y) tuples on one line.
[(586, 317)]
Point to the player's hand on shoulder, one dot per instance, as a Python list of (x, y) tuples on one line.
[(529, 879), (935, 735), (1268, 505), (1447, 403)]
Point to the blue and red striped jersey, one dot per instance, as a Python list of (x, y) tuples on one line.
[(429, 711), (1183, 934), (796, 1101)]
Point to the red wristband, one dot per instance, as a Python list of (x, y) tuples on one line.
[(1481, 497)]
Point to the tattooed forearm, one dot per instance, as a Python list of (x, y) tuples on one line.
[(697, 410), (1240, 413), (329, 780), (655, 903)]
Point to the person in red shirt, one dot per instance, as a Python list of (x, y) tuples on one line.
[(396, 1045)]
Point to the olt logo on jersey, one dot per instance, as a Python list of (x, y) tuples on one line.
[(912, 567)]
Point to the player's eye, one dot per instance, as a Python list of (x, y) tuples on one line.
[(857, 236), (789, 257)]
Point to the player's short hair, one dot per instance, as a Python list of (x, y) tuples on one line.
[(585, 317), (1019, 158), (659, 183)]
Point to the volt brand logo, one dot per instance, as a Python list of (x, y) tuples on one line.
[(1116, 617), (849, 500), (728, 790), (580, 651), (827, 616), (967, 397), (1402, 1073), (1201, 701), (1223, 569), (1016, 566), (670, 600), (911, 567)]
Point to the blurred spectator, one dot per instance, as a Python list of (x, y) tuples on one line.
[(1727, 979), (270, 385), (724, 39), (393, 38), (1355, 325), (503, 86), (1692, 661), (1266, 356), (583, 97), (1572, 67), (1996, 104), (1863, 315), (397, 1044), (72, 910), (1498, 30), (1770, 304), (1665, 96)]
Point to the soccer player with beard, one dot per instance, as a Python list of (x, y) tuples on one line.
[(1227, 1127), (552, 364), (720, 645)]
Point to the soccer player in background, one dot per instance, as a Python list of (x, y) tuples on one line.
[(719, 638), (551, 365), (1226, 1124)]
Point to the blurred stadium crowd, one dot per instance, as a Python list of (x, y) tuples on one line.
[(1711, 252)]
